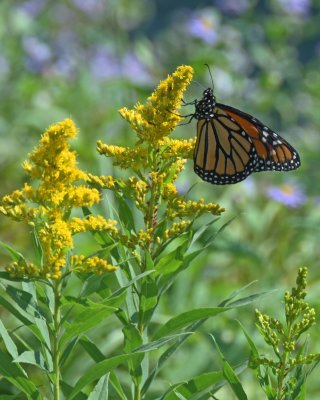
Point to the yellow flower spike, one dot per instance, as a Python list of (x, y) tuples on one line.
[(91, 264), (105, 182), (46, 205), (125, 157), (175, 148), (157, 118)]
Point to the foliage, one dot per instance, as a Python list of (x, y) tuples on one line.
[(89, 58)]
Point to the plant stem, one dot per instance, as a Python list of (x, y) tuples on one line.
[(56, 338)]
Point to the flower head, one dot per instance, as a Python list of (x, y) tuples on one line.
[(287, 194), (157, 118), (203, 25), (296, 7)]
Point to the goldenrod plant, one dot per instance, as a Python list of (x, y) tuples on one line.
[(146, 235), (283, 376)]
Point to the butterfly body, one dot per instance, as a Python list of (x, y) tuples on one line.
[(232, 144)]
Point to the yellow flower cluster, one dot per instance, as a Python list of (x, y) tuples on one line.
[(139, 190), (105, 182), (22, 268), (156, 119), (179, 208), (125, 157), (91, 264), (92, 223), (175, 148), (47, 205), (176, 229)]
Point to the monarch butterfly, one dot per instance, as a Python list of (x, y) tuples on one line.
[(232, 144)]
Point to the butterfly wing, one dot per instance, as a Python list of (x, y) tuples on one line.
[(232, 145)]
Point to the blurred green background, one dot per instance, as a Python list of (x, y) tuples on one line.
[(88, 58)]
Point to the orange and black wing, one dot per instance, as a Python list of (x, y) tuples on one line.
[(232, 145)]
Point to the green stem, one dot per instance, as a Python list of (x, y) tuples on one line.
[(284, 361), (56, 338)]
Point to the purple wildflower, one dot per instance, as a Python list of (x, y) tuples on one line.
[(90, 7), (296, 7), (38, 53), (203, 25), (134, 70), (288, 194), (104, 64), (33, 7), (232, 6)]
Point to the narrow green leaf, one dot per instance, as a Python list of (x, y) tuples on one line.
[(34, 358), (38, 248), (254, 350), (168, 353), (66, 389), (160, 342), (15, 374), (100, 392), (148, 300), (9, 343), (68, 350), (97, 356), (94, 284), (91, 349), (234, 294), (43, 329), (117, 386), (182, 320), (195, 385), (89, 318), (132, 340), (15, 255), (24, 300), (249, 299), (125, 214), (230, 375), (130, 283), (99, 370)]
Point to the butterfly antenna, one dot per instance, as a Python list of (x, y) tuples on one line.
[(210, 75)]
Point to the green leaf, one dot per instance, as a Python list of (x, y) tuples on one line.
[(130, 283), (9, 343), (169, 352), (194, 386), (17, 376), (91, 349), (182, 320), (34, 358), (230, 375), (99, 370), (249, 299), (148, 300), (38, 248), (254, 350), (125, 214), (15, 255), (97, 356), (235, 294), (24, 300), (100, 392), (132, 340), (66, 389), (160, 342), (88, 319), (94, 284)]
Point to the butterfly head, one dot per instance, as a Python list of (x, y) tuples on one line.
[(204, 107)]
